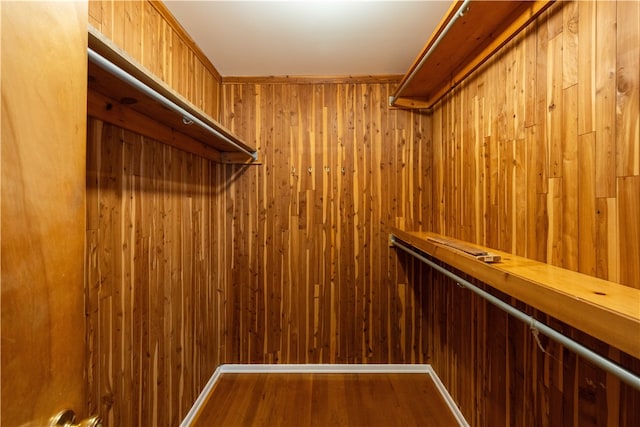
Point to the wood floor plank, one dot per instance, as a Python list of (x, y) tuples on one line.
[(285, 399)]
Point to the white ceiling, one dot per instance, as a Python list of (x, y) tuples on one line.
[(309, 38)]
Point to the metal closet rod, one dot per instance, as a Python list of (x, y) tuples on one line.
[(582, 351), (187, 117), (461, 11)]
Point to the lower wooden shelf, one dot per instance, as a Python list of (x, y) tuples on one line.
[(605, 310)]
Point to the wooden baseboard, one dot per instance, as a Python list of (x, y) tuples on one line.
[(321, 369)]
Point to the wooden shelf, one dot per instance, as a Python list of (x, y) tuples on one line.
[(605, 310), (118, 102), (473, 38)]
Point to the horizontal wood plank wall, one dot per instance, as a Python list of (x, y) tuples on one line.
[(538, 153), (156, 277), (313, 279), (147, 31)]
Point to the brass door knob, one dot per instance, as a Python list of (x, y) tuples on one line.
[(67, 418)]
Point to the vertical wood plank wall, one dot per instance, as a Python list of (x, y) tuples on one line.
[(538, 153), (313, 279), (154, 277), (148, 32), (151, 272), (499, 374), (192, 264)]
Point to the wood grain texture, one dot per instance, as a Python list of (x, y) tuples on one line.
[(581, 185), (276, 399), (602, 309), (135, 95), (317, 281), (148, 32), (581, 143), (499, 374), (477, 34), (42, 204), (152, 278), (191, 264)]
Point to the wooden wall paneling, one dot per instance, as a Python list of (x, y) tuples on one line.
[(173, 282), (456, 159), (613, 238), (603, 220), (555, 105), (217, 272), (380, 269), (555, 21), (365, 183), (587, 377), (532, 216), (95, 14), (493, 193), (628, 90), (629, 211), (182, 66), (153, 309), (327, 288), (516, 379), (505, 194), (150, 34), (573, 214), (300, 270), (553, 137), (199, 83), (554, 212), (530, 58), (570, 31), (362, 146), (497, 367), (166, 15), (246, 242), (351, 341), (519, 195), (466, 151), (104, 11), (426, 174), (329, 154), (448, 165), (542, 104), (520, 86), (586, 63), (133, 28), (437, 172), (605, 120), (320, 320), (481, 175), (120, 22), (570, 172), (586, 187), (92, 272)]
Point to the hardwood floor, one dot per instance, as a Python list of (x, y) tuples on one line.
[(284, 399)]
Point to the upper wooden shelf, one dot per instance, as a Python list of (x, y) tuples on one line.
[(605, 310), (476, 35), (114, 100)]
